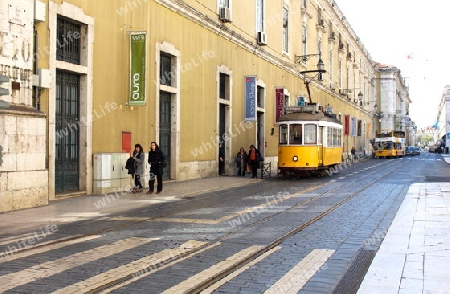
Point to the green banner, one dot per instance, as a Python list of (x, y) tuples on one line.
[(137, 68)]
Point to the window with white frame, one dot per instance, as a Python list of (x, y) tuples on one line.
[(304, 40), (285, 29), (330, 65), (260, 15), (224, 3), (340, 73), (304, 4)]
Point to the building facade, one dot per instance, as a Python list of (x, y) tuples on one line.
[(23, 128), (392, 111), (186, 74)]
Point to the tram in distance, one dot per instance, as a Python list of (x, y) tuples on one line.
[(389, 145), (309, 141)]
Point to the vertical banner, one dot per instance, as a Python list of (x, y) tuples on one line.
[(250, 98), (353, 126), (279, 103), (347, 125), (137, 68)]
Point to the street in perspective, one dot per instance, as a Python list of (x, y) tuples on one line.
[(233, 234), (224, 146)]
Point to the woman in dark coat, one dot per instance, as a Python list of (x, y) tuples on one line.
[(156, 160), (241, 161)]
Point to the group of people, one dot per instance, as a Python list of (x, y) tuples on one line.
[(248, 161), (135, 166)]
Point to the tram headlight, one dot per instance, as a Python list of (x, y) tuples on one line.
[(295, 158)]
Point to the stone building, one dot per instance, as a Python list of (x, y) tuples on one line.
[(23, 128), (393, 102)]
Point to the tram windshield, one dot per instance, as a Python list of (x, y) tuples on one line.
[(292, 134), (310, 134), (295, 134)]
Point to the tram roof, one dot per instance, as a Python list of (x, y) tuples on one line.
[(305, 116)]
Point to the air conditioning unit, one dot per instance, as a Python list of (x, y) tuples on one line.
[(262, 38), (332, 86), (225, 14)]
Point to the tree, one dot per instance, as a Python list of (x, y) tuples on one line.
[(426, 140)]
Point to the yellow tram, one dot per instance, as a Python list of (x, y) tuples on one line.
[(390, 145), (309, 140)]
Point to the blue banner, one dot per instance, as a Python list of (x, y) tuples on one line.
[(250, 98)]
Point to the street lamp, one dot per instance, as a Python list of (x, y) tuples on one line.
[(360, 98), (300, 59)]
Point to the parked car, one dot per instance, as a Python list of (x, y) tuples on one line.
[(432, 149), (417, 150), (410, 150)]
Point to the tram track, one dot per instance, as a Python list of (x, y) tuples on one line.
[(214, 242), (280, 239), (276, 242)]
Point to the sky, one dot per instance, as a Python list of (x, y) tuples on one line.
[(413, 36)]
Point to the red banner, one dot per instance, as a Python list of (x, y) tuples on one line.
[(279, 102), (347, 125)]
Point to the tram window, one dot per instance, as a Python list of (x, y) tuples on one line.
[(310, 134), (283, 134), (339, 137), (335, 137), (329, 137), (295, 134)]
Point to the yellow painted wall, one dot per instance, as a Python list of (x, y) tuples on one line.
[(198, 86)]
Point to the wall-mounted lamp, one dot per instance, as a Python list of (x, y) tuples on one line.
[(360, 96)]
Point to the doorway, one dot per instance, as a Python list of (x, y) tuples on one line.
[(165, 106), (67, 136)]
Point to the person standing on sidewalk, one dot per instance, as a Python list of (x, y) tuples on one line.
[(156, 160), (241, 161), (221, 159), (253, 155), (353, 152), (139, 157)]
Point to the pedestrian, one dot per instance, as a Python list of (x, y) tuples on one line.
[(129, 165), (139, 157), (156, 160), (221, 160), (241, 161), (353, 152), (253, 155)]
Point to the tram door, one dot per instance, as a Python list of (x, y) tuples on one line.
[(320, 140)]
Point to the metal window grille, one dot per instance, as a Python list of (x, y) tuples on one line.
[(68, 41), (165, 70)]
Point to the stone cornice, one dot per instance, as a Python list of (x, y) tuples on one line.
[(224, 31), (21, 110), (221, 29)]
